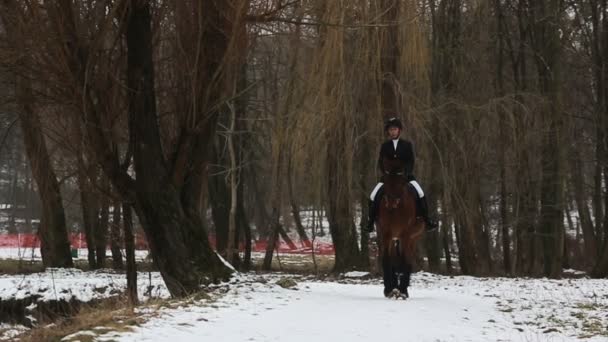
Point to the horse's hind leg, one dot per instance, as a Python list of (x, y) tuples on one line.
[(404, 277), (390, 281)]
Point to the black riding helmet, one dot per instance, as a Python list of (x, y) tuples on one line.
[(392, 122)]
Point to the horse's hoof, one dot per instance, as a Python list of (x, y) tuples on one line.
[(393, 294)]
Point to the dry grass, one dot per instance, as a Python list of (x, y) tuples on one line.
[(11, 266), (109, 315)]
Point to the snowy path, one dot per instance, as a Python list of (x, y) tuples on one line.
[(441, 309)]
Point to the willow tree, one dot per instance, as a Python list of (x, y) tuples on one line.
[(109, 72), (596, 34), (331, 71), (53, 232), (546, 17)]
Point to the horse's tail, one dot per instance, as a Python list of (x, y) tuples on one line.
[(396, 252), (397, 247)]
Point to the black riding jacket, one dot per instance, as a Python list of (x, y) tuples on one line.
[(404, 152)]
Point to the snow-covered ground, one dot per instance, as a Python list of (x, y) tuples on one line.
[(33, 254), (71, 284), (65, 284), (255, 308)]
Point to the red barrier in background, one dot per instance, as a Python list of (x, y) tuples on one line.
[(78, 241)]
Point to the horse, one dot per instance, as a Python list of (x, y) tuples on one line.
[(398, 230)]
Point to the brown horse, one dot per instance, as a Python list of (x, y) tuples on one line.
[(398, 230)]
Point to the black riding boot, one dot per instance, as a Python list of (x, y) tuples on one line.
[(373, 210), (424, 213), (372, 216)]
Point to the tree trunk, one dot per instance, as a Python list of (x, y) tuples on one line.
[(432, 244), (245, 228), (101, 234), (12, 226), (389, 50), (29, 204), (545, 37), (115, 239), (90, 219), (286, 238), (500, 92), (363, 154), (526, 185), (295, 210), (446, 57), (446, 238), (270, 246), (53, 233), (175, 232), (220, 200), (130, 254), (589, 238), (600, 54), (339, 213)]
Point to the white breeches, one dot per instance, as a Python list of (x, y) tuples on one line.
[(414, 184), (418, 188), (373, 195)]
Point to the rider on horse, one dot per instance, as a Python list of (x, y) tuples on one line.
[(396, 148)]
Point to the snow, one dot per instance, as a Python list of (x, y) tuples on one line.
[(441, 308), (573, 272), (33, 254), (83, 333), (226, 263), (66, 284), (10, 331), (356, 274)]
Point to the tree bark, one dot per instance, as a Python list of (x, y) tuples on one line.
[(339, 215), (295, 210), (232, 216), (175, 231), (101, 234), (130, 254), (545, 17), (599, 52), (526, 185), (53, 233), (500, 90), (115, 237), (12, 226), (90, 219), (589, 238), (220, 200)]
